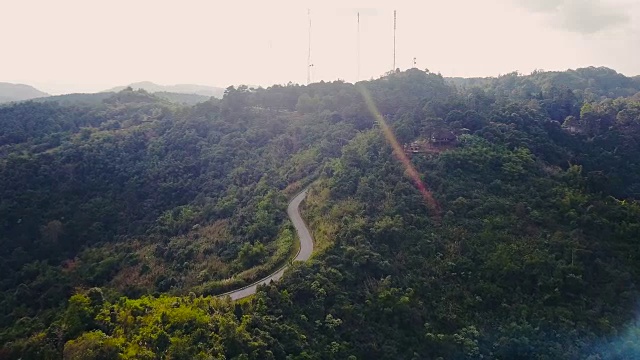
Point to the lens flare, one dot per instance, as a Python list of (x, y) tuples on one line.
[(398, 152)]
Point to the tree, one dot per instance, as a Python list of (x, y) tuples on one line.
[(94, 345), (78, 317), (51, 231)]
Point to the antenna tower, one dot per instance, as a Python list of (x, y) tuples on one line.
[(309, 64), (394, 40), (358, 49)]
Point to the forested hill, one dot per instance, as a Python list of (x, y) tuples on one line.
[(508, 230)]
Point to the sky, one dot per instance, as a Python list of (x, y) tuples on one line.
[(88, 45)]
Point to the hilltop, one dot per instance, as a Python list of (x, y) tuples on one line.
[(594, 82), (98, 98)]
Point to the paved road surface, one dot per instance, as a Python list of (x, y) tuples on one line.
[(306, 248)]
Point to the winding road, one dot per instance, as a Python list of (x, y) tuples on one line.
[(306, 248)]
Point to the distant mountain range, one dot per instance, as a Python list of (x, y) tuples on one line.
[(600, 80), (181, 93), (179, 89), (18, 92)]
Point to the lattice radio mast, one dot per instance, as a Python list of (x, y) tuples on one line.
[(358, 49), (394, 40), (309, 64)]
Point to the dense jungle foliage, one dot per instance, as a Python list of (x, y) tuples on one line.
[(120, 221)]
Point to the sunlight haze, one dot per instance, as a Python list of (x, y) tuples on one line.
[(83, 46)]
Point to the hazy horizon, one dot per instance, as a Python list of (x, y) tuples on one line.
[(75, 46)]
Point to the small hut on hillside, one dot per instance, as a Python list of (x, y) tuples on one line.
[(415, 147), (443, 137)]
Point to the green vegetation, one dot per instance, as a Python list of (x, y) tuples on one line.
[(121, 219)]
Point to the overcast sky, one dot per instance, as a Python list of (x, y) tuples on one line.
[(84, 45)]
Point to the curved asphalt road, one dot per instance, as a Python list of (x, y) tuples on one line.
[(306, 248)]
